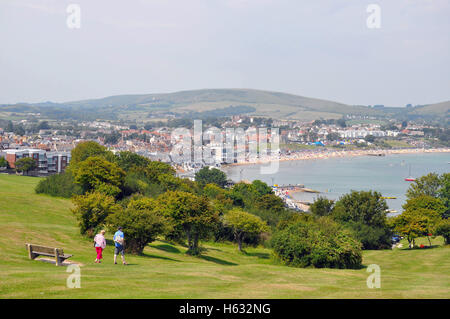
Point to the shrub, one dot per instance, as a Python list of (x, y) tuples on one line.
[(320, 243), (61, 185)]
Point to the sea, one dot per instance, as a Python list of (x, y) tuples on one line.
[(333, 177)]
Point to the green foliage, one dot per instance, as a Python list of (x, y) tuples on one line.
[(270, 202), (365, 214), (128, 160), (426, 202), (3, 162), (321, 243), (25, 165), (208, 175), (414, 223), (322, 206), (91, 211), (213, 191), (244, 224), (261, 188), (444, 193), (61, 185), (190, 214), (96, 173), (426, 185), (442, 228), (155, 169), (141, 223), (86, 149)]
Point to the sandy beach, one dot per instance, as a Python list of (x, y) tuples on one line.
[(308, 155)]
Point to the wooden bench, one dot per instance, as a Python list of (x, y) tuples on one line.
[(57, 253)]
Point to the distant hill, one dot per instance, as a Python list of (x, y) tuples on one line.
[(214, 102)]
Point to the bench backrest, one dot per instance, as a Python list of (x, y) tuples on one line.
[(45, 249)]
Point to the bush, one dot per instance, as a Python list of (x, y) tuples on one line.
[(320, 243), (371, 237), (61, 185)]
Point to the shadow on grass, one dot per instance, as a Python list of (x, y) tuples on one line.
[(158, 257), (423, 248), (259, 255), (167, 248), (217, 260)]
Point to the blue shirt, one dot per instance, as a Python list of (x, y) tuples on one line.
[(118, 233)]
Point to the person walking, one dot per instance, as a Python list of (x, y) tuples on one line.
[(119, 242), (99, 244)]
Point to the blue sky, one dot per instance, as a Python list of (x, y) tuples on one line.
[(319, 48)]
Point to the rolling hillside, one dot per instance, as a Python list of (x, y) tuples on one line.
[(214, 102)]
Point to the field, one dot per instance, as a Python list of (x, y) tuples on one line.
[(165, 271)]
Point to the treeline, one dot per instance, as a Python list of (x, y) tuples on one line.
[(148, 201)]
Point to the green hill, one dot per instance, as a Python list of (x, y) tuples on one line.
[(165, 271), (213, 102)]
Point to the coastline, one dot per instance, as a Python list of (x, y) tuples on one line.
[(298, 156)]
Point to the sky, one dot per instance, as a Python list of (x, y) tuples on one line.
[(322, 49)]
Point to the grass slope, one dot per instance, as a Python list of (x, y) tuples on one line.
[(165, 271)]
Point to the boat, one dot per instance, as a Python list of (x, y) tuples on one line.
[(410, 178)]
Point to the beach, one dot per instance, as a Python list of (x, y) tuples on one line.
[(327, 153)]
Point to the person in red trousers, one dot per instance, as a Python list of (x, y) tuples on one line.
[(99, 244)]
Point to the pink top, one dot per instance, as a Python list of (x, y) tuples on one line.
[(100, 241)]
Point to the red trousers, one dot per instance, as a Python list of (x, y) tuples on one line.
[(99, 251)]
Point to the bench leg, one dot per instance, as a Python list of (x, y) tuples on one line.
[(57, 260), (30, 252)]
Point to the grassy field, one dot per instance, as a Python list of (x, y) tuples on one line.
[(165, 271)]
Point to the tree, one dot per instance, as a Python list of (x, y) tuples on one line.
[(426, 202), (322, 206), (425, 185), (211, 175), (270, 202), (140, 222), (444, 193), (43, 126), (370, 138), (190, 214), (155, 168), (415, 223), (261, 187), (127, 160), (443, 229), (3, 162), (86, 149), (9, 127), (96, 173), (364, 213), (25, 165), (213, 191), (92, 209), (244, 224)]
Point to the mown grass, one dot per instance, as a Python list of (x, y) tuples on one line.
[(165, 271)]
